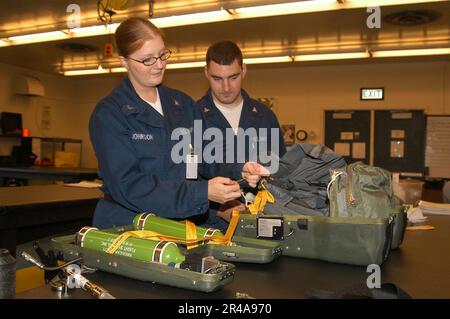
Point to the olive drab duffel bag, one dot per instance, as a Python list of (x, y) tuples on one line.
[(361, 237), (362, 190)]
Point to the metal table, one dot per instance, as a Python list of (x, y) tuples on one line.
[(49, 173), (420, 267), (31, 212)]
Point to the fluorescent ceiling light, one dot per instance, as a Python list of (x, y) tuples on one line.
[(402, 53), (194, 18), (85, 72), (333, 56), (316, 6), (281, 59), (214, 16), (100, 70), (275, 59), (288, 8), (353, 4), (38, 37), (118, 70), (94, 30), (173, 66), (185, 65)]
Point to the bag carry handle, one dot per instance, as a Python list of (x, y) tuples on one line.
[(334, 176)]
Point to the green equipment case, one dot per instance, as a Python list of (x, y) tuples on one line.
[(348, 240), (208, 279), (244, 249)]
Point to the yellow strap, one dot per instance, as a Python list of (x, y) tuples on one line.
[(191, 234), (143, 234), (190, 241), (261, 200), (226, 239)]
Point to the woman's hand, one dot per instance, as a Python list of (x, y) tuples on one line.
[(226, 209), (223, 189)]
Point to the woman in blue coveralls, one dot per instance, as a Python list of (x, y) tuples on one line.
[(130, 130)]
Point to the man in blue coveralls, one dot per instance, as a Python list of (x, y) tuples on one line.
[(251, 129)]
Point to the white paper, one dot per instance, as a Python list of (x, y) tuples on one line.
[(397, 149), (342, 149), (397, 134), (415, 215), (359, 150), (85, 184), (265, 226), (434, 208), (347, 136)]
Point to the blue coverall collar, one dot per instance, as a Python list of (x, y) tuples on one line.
[(250, 111), (172, 109)]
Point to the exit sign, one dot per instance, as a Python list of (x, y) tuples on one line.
[(370, 94)]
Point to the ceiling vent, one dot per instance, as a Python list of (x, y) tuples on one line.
[(411, 18)]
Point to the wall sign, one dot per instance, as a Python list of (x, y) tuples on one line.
[(370, 94)]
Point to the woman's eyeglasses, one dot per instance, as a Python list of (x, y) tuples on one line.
[(152, 60)]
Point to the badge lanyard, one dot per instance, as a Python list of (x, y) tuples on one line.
[(191, 164)]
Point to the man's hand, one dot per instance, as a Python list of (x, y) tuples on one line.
[(226, 209), (252, 172), (222, 190)]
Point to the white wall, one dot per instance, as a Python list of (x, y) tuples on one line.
[(88, 91), (59, 96), (71, 101), (301, 93)]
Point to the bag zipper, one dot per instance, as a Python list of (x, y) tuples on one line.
[(350, 197)]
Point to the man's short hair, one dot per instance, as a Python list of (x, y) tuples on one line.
[(224, 53)]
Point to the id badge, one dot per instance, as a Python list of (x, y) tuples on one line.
[(191, 166)]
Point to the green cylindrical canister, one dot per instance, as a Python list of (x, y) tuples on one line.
[(169, 227), (137, 248)]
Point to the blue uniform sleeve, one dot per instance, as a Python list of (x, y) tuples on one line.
[(276, 124), (133, 188)]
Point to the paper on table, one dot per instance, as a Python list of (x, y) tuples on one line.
[(85, 184), (416, 220), (415, 215), (434, 208)]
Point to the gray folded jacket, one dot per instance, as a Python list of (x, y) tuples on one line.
[(300, 185)]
